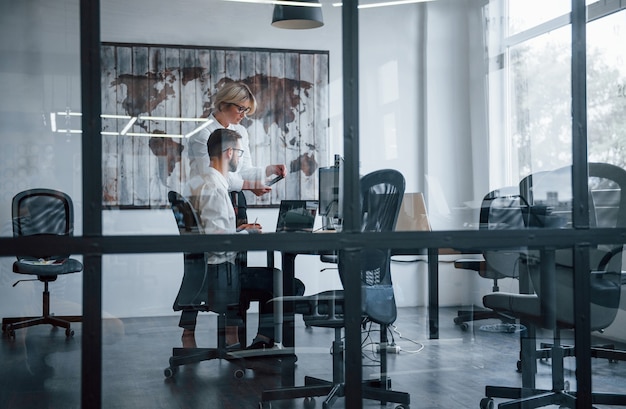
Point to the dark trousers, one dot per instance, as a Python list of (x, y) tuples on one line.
[(257, 284)]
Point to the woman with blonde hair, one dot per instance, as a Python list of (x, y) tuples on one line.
[(232, 103)]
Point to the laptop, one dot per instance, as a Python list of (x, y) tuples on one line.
[(296, 215)]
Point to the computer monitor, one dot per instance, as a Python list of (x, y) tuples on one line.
[(329, 194)]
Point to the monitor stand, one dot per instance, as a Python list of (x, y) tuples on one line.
[(330, 223)]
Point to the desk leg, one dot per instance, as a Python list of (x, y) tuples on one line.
[(433, 293), (288, 331)]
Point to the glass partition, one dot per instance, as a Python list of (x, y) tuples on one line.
[(470, 101), (41, 149)]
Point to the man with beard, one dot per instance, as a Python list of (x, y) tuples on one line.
[(210, 198)]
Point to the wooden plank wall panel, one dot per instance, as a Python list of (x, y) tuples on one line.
[(156, 68), (306, 123), (109, 142), (124, 144), (321, 100), (143, 169), (290, 125), (173, 102)]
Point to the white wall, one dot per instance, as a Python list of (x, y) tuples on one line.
[(414, 107)]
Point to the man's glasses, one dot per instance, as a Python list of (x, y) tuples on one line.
[(241, 109), (239, 151)]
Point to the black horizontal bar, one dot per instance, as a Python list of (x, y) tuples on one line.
[(401, 242)]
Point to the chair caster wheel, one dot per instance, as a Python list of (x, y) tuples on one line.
[(309, 403), (464, 326), (486, 403), (170, 372), (519, 366), (239, 373), (69, 332), (402, 406)]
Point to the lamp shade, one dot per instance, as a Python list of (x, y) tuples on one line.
[(298, 17)]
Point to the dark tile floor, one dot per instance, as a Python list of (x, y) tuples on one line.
[(41, 368)]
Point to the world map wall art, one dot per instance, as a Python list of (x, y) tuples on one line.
[(155, 96)]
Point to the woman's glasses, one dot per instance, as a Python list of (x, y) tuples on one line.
[(241, 109)]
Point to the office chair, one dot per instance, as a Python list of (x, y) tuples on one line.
[(495, 266), (381, 194), (195, 279), (43, 212), (549, 198)]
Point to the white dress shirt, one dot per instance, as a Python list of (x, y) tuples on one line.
[(210, 198)]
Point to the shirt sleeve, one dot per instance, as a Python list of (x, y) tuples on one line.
[(198, 154)]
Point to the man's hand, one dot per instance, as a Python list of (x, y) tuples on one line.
[(251, 228)]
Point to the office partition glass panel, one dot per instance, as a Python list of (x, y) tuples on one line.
[(606, 77), (41, 149), (159, 89)]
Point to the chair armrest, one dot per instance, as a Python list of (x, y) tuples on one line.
[(469, 264)]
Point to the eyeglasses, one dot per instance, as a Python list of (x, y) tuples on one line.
[(241, 109), (239, 151)]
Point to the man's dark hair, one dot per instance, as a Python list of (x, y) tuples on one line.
[(220, 140)]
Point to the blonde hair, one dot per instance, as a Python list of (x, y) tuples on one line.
[(234, 93)]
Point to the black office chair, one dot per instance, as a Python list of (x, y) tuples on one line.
[(195, 281), (495, 265), (195, 286), (381, 197), (549, 196), (43, 212)]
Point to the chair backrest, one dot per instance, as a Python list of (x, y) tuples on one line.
[(381, 197), (552, 193), (502, 209), (381, 194), (184, 213), (42, 212)]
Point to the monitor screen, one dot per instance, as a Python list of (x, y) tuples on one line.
[(330, 180), (329, 191)]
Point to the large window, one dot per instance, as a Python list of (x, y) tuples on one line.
[(530, 76)]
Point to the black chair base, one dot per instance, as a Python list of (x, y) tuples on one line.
[(536, 398), (243, 359), (9, 325), (313, 387), (263, 360), (531, 397), (375, 389), (602, 351), (465, 316)]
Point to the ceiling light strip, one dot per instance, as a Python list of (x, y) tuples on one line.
[(165, 118), (129, 125), (385, 4), (279, 2), (198, 129)]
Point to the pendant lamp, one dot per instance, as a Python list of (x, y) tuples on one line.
[(298, 17)]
